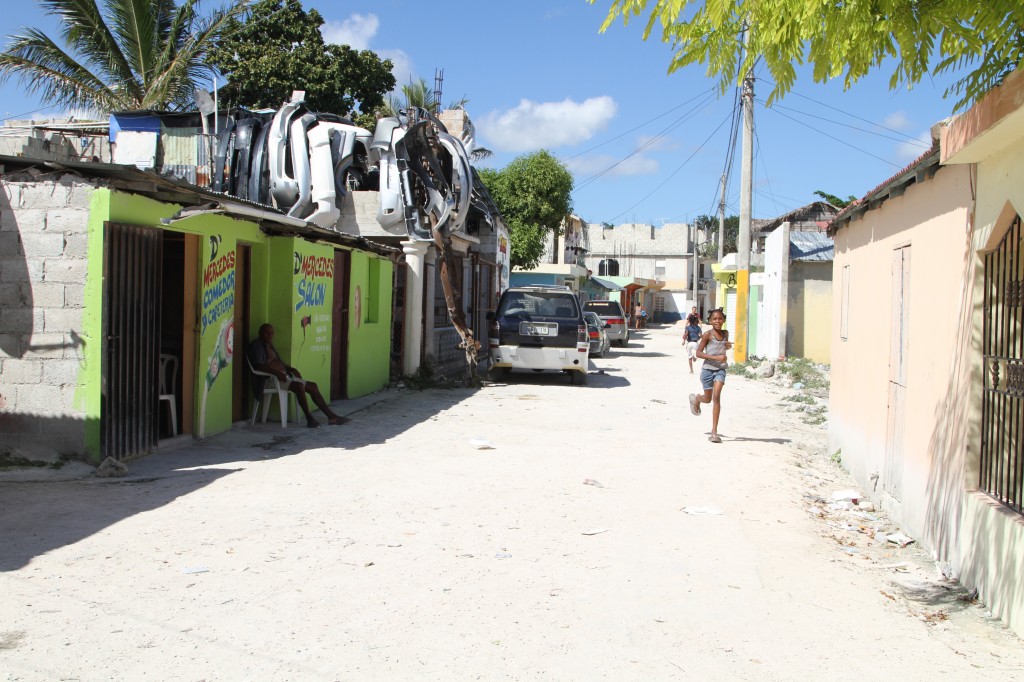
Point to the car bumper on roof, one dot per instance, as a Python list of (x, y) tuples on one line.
[(526, 357)]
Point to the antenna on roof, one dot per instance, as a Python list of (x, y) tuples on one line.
[(438, 81)]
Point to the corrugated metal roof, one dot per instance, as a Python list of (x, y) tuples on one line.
[(610, 286), (929, 161), (810, 246), (149, 183)]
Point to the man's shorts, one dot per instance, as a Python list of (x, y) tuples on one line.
[(691, 349), (709, 375)]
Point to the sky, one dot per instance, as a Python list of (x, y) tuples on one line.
[(643, 145)]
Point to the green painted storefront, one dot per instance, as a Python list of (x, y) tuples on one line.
[(291, 284)]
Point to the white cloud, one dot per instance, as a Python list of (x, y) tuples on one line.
[(536, 125), (402, 68), (583, 167), (908, 151), (897, 120), (357, 31)]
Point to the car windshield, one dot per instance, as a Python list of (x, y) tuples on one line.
[(542, 304), (605, 308)]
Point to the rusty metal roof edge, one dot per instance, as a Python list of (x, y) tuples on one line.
[(113, 171), (908, 174)]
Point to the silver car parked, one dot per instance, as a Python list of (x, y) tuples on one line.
[(611, 313)]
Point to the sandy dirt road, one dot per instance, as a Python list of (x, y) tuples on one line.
[(394, 548)]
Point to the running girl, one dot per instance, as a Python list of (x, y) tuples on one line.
[(711, 349)]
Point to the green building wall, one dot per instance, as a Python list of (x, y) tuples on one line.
[(291, 287), (369, 348)]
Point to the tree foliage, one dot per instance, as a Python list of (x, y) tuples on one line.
[(709, 226), (834, 200), (278, 48), (980, 42), (129, 54), (534, 195)]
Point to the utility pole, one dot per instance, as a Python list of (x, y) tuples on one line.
[(721, 223), (746, 202), (696, 263)]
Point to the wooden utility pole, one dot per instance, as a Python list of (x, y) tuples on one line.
[(746, 202), (721, 223), (696, 261)]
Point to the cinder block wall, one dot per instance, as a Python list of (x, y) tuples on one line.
[(43, 267)]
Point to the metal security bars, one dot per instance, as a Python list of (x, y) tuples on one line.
[(132, 277), (1002, 412)]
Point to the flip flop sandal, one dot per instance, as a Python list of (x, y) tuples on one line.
[(714, 439), (694, 405)]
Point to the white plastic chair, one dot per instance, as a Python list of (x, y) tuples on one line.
[(169, 377), (271, 385)]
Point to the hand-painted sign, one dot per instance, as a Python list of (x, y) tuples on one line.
[(317, 273), (218, 288), (311, 299)]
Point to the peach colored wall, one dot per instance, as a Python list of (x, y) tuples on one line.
[(932, 218), (991, 538)]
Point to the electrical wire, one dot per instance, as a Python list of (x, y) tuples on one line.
[(673, 173), (903, 139), (847, 113), (833, 137), (764, 169), (656, 138), (635, 128)]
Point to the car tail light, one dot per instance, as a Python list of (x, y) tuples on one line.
[(616, 320), (594, 335), (494, 334), (582, 335)]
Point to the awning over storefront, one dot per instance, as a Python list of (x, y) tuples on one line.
[(605, 284)]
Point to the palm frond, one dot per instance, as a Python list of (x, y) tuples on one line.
[(86, 32), (134, 25), (42, 66), (175, 82)]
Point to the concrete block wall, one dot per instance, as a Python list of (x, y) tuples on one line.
[(359, 215), (43, 267)]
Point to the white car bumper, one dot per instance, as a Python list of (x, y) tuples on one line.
[(525, 357)]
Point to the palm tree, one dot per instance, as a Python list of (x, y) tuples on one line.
[(417, 94), (134, 54)]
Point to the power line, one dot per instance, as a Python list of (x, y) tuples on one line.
[(907, 139), (847, 113), (833, 137), (635, 128), (678, 168), (664, 131), (34, 111), (764, 169)]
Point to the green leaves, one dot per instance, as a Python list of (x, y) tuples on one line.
[(534, 196), (279, 48), (133, 54), (844, 40)]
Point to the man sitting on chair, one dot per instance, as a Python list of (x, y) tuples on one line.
[(264, 358)]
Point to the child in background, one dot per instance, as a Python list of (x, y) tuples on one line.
[(711, 349), (691, 335)]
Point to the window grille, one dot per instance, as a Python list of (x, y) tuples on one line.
[(1002, 411)]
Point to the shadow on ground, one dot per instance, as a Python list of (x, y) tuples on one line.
[(39, 516)]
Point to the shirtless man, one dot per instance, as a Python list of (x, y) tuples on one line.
[(264, 358)]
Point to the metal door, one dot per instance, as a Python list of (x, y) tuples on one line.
[(339, 326), (1002, 412), (892, 481), (132, 273)]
